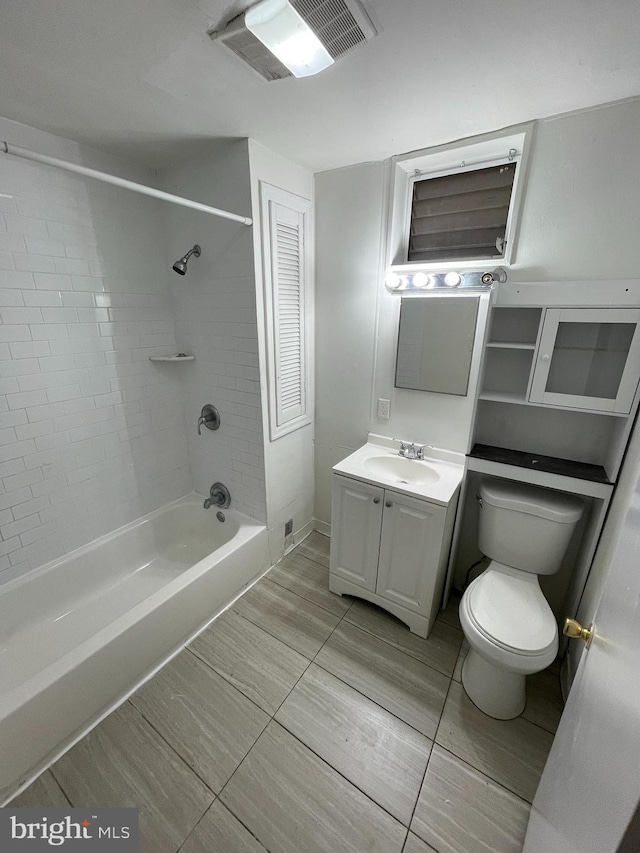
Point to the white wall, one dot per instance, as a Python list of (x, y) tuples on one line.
[(349, 221), (215, 315), (581, 204), (580, 213), (92, 434), (288, 460)]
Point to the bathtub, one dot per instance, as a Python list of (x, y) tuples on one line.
[(80, 634)]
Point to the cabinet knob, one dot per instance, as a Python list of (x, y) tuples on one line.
[(388, 503), (376, 500)]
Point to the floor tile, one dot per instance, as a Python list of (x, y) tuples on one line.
[(440, 650), (309, 580), (293, 801), (511, 752), (417, 845), (220, 832), (404, 686), (450, 615), (125, 762), (383, 757), (463, 811), (259, 665), (45, 791), (544, 700), (209, 723), (315, 547), (297, 622), (464, 649)]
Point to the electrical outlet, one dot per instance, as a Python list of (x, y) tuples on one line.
[(384, 409), (288, 534)]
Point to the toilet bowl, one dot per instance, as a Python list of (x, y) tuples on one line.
[(508, 623)]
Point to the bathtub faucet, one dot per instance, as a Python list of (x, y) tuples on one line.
[(218, 496)]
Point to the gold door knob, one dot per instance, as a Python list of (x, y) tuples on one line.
[(575, 630)]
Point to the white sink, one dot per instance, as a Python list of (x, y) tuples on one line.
[(436, 479), (397, 469)]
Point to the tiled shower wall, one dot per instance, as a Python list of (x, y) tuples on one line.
[(215, 314), (92, 434)]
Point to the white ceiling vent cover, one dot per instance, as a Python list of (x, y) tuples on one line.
[(340, 25)]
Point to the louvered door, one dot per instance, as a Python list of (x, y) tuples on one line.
[(285, 238)]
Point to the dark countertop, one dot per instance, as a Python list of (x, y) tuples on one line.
[(535, 461)]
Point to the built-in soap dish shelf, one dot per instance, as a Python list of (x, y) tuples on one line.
[(178, 356)]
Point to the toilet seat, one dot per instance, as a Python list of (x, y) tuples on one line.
[(507, 607)]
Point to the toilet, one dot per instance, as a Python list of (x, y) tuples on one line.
[(509, 625)]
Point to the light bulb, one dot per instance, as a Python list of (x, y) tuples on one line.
[(392, 281), (421, 279), (452, 279)]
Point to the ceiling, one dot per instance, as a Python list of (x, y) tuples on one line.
[(142, 78)]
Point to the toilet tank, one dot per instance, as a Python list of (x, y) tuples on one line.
[(526, 527)]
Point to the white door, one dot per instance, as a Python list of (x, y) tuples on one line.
[(356, 519), (412, 533), (590, 787)]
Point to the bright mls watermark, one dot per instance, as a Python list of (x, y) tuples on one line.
[(69, 830)]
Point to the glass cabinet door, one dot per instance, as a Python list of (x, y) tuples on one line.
[(588, 359)]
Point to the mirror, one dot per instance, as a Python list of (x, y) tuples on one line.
[(435, 343)]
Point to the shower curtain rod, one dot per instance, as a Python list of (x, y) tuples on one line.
[(16, 151)]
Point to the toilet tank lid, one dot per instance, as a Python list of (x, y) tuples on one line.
[(534, 500)]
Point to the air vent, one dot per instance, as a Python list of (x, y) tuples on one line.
[(341, 25), (335, 24)]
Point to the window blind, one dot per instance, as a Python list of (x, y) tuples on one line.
[(461, 216)]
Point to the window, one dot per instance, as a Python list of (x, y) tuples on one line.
[(457, 205), (461, 216), (285, 246)]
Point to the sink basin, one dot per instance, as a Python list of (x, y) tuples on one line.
[(397, 469)]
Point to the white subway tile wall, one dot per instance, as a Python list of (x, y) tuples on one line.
[(216, 320), (215, 315), (92, 434)]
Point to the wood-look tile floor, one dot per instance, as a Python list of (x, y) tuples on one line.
[(302, 721)]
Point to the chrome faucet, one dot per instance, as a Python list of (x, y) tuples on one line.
[(410, 450)]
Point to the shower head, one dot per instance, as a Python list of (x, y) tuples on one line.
[(181, 266)]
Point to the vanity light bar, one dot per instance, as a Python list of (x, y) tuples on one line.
[(426, 282)]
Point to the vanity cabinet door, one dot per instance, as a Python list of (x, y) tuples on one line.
[(410, 547), (588, 359), (356, 520)]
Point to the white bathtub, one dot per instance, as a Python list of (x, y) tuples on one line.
[(79, 635)]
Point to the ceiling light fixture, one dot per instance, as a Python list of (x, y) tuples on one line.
[(281, 29)]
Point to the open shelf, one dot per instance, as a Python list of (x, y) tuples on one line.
[(176, 357), (510, 345), (505, 397), (506, 374), (511, 327)]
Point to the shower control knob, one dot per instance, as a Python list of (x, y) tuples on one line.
[(209, 417)]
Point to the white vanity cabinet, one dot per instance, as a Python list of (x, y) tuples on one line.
[(356, 522), (390, 549)]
